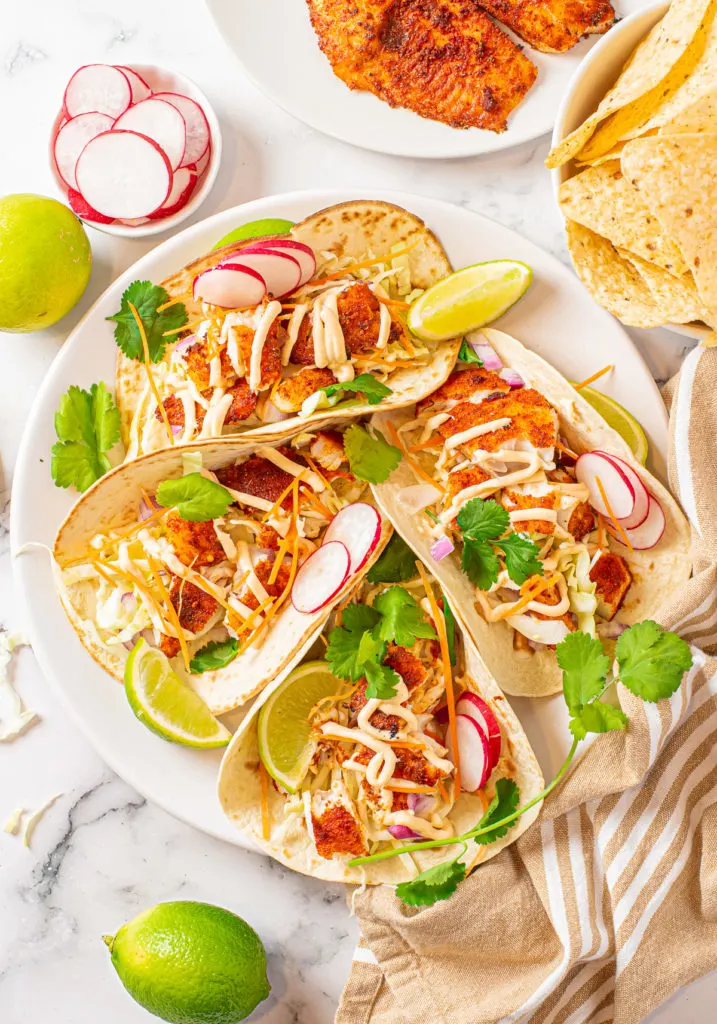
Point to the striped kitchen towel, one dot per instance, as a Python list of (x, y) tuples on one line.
[(608, 904)]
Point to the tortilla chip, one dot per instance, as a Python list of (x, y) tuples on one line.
[(677, 297), (677, 177), (601, 199), (652, 68), (700, 116), (634, 118), (611, 279)]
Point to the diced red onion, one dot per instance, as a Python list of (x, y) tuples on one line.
[(535, 646), (147, 509), (511, 378), (487, 354), (403, 832), (176, 429), (420, 802), (185, 343), (442, 547), (128, 598)]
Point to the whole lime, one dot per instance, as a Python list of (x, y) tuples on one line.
[(191, 963), (45, 262)]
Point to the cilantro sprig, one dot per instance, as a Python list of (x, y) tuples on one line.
[(196, 498), (357, 649), (481, 524), (396, 563), (371, 458), (215, 654), (467, 355), (651, 663), (87, 425), (373, 390), (160, 325)]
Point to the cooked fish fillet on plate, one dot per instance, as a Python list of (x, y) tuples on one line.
[(552, 26)]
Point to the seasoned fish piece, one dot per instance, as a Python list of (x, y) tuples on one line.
[(195, 610), (263, 571), (582, 520), (552, 26), (175, 412), (335, 825), (473, 385), (612, 579), (243, 402), (194, 544), (463, 478), (197, 361), (291, 393), (444, 59), (360, 319), (513, 501), (270, 353), (532, 417), (260, 477), (328, 450)]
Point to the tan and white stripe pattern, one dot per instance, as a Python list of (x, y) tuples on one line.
[(609, 903)]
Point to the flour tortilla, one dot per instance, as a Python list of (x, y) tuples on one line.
[(355, 230), (239, 790), (655, 572), (111, 503)]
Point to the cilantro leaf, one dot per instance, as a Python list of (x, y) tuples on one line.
[(146, 298), (402, 619), (503, 804), (521, 557), (585, 666), (480, 563), (371, 458), (467, 354), (359, 617), (215, 654), (450, 621), (87, 424), (596, 717), (483, 520), (195, 498), (365, 384), (434, 884), (382, 680), (652, 660), (396, 563), (347, 650)]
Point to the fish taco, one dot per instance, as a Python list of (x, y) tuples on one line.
[(398, 735), (228, 560), (273, 333), (531, 511)]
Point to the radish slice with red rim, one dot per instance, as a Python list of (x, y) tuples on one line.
[(123, 174), (97, 87), (474, 753), (594, 466), (648, 533), (140, 88), (358, 527), (320, 578), (280, 271), (229, 286), (475, 707), (159, 121), (198, 134), (183, 182), (302, 253), (80, 206), (642, 495), (72, 138)]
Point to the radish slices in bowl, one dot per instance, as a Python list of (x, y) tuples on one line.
[(618, 493), (135, 150)]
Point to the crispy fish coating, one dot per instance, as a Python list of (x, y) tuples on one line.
[(291, 393), (551, 596), (194, 608), (260, 477), (513, 501), (463, 478), (263, 570), (328, 450), (194, 544), (197, 361), (360, 319), (336, 828), (175, 412), (473, 384), (582, 521), (533, 419), (243, 402), (444, 59), (410, 765), (552, 26), (270, 353), (612, 578), (411, 670)]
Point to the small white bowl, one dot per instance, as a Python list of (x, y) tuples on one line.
[(591, 81), (161, 80)]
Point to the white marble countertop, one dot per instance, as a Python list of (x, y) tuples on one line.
[(102, 853)]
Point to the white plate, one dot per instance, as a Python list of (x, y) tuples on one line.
[(557, 318), (276, 46)]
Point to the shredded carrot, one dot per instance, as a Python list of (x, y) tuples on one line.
[(177, 330), (567, 451), (364, 263), (602, 539), (98, 568), (264, 782), (141, 586), (432, 442), (531, 593), (312, 465), (278, 559), (249, 621), (594, 376), (277, 504), (405, 744), (443, 791), (134, 527), (172, 302), (171, 610), (322, 637), (410, 789), (615, 522), (150, 378), (411, 462), (394, 302), (316, 504), (405, 337), (439, 623)]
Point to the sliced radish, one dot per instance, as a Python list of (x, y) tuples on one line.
[(159, 121), (123, 174), (642, 495), (183, 183), (198, 133), (72, 138), (281, 272), (97, 87), (475, 707), (140, 89), (541, 631), (648, 533), (474, 753), (358, 527), (82, 208), (203, 162), (594, 466), (304, 254), (321, 577), (229, 286)]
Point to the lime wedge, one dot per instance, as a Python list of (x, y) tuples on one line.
[(620, 420), (285, 743), (256, 229), (163, 703), (468, 299)]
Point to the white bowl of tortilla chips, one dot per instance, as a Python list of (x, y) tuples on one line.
[(634, 162)]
